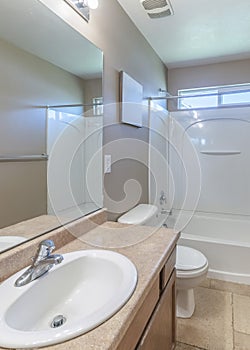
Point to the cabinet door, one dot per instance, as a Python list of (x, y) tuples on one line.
[(160, 331)]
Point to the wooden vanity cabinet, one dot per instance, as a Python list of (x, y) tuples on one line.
[(154, 326), (160, 331)]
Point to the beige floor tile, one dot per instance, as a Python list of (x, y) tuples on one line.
[(241, 341), (206, 283), (237, 288), (211, 325), (241, 308), (181, 346)]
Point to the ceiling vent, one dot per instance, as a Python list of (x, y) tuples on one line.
[(157, 8)]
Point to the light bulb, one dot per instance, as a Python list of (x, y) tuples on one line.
[(93, 4)]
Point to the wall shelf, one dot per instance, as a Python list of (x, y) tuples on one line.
[(220, 153)]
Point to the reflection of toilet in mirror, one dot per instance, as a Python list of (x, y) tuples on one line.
[(191, 264)]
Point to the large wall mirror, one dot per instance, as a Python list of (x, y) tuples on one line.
[(45, 62)]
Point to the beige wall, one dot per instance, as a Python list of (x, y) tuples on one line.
[(235, 72), (27, 82), (92, 88), (125, 49)]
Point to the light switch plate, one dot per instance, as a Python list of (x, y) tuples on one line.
[(107, 163)]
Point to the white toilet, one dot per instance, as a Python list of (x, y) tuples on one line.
[(191, 264), (191, 269)]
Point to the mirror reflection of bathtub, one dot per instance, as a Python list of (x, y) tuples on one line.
[(10, 241), (64, 68)]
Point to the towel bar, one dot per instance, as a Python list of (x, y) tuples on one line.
[(23, 158)]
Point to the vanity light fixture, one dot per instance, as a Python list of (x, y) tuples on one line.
[(92, 4), (83, 6)]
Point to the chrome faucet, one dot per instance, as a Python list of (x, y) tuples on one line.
[(43, 261), (163, 198)]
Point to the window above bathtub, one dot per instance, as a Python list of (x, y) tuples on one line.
[(214, 96)]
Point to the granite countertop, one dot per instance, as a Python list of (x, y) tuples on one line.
[(148, 248), (32, 227)]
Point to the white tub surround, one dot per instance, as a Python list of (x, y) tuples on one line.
[(223, 239)]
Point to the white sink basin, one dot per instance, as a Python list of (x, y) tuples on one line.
[(10, 241), (87, 288)]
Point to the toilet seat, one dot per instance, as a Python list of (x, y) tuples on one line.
[(191, 273), (190, 262)]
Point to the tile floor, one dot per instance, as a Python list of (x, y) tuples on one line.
[(221, 320)]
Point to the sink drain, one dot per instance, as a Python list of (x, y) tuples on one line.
[(58, 321)]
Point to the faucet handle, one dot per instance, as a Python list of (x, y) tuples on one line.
[(163, 198), (44, 250), (47, 243)]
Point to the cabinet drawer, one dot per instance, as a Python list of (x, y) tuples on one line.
[(167, 270)]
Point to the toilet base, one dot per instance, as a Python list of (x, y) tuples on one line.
[(185, 303)]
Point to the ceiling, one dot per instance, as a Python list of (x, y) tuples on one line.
[(199, 32)]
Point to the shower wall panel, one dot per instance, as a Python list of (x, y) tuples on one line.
[(219, 139)]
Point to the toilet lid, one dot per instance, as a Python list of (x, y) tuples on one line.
[(189, 259), (139, 214)]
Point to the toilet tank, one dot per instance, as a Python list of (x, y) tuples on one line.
[(142, 214)]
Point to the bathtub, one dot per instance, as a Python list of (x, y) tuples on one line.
[(224, 239)]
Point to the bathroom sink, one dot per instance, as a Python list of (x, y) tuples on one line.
[(9, 241), (87, 288)]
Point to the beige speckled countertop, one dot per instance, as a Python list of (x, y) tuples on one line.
[(148, 248), (32, 227)]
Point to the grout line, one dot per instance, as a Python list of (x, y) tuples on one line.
[(232, 303), (193, 346), (231, 287)]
